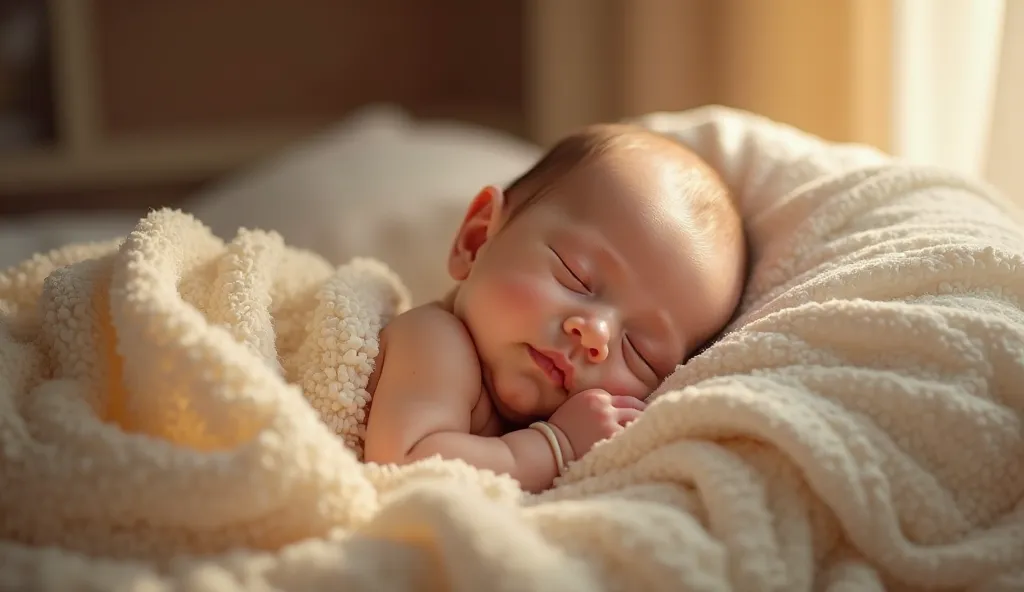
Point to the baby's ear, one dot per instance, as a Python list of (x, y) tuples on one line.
[(480, 223)]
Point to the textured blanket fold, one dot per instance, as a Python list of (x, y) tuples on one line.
[(153, 391), (182, 414)]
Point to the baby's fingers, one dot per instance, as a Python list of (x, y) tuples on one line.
[(623, 402), (627, 416)]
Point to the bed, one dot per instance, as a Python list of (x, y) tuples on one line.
[(859, 426)]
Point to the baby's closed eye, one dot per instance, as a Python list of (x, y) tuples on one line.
[(573, 279), (638, 363)]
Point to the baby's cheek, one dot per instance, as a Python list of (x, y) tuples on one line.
[(523, 293)]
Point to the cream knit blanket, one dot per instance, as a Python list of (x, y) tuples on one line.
[(859, 427)]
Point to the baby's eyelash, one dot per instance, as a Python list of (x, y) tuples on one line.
[(641, 356), (571, 272), (576, 277)]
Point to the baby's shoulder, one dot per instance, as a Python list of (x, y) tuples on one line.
[(431, 334), (428, 322)]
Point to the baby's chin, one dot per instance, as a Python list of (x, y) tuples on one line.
[(507, 410), (507, 407), (512, 417)]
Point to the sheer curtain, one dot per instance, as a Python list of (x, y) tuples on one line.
[(957, 77), (1004, 164)]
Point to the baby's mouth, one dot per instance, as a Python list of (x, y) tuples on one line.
[(548, 367)]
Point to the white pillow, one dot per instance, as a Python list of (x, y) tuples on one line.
[(22, 237), (379, 184)]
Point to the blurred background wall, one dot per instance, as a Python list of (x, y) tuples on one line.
[(129, 105)]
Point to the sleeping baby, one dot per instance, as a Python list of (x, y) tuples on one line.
[(580, 287)]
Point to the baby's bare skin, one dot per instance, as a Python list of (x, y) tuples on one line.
[(564, 312)]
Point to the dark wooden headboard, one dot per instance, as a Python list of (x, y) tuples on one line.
[(150, 99)]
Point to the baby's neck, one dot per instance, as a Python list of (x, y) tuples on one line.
[(447, 302)]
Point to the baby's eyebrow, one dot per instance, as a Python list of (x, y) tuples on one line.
[(608, 258), (594, 244)]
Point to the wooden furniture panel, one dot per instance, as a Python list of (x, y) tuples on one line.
[(173, 93), (169, 94), (198, 64)]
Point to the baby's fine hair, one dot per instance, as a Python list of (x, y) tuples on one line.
[(711, 204)]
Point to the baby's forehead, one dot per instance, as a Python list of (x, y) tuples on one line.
[(659, 182), (636, 226)]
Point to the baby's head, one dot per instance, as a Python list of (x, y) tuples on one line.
[(611, 261)]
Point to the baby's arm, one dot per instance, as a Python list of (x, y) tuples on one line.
[(427, 386)]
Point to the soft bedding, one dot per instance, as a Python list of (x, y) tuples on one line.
[(180, 413)]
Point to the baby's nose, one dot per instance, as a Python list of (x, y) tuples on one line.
[(593, 334)]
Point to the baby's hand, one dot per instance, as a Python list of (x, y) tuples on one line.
[(594, 415)]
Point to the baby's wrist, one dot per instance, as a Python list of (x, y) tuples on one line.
[(563, 441), (557, 444)]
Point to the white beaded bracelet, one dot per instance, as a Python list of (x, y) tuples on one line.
[(544, 428)]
